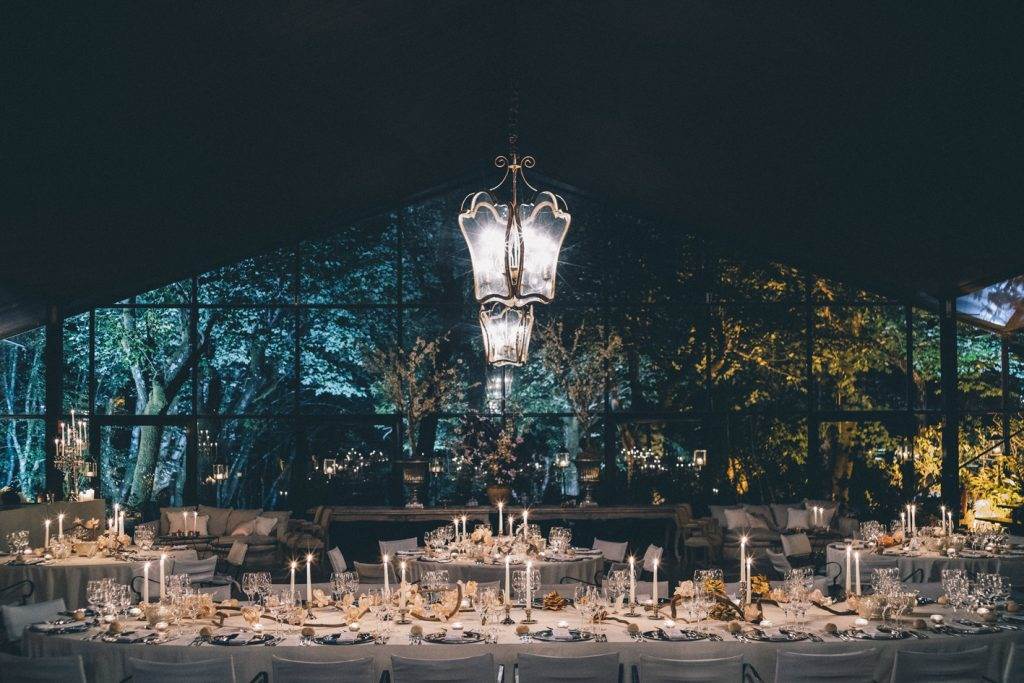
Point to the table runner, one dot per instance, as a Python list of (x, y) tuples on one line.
[(550, 572)]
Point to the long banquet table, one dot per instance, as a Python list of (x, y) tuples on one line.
[(108, 662), (582, 569), (928, 566), (68, 578)]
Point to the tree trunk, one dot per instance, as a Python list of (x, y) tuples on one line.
[(149, 449)]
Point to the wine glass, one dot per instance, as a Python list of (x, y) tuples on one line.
[(250, 585)]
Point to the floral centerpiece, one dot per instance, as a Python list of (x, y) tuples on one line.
[(500, 464)]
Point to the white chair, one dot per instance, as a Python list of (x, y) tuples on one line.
[(338, 564), (796, 545), (348, 671), (369, 572), (1014, 669), (198, 571), (613, 552), (67, 669), (652, 553), (658, 670), (602, 668), (139, 575), (220, 670), (17, 618), (467, 670), (935, 666), (645, 589), (846, 667), (389, 548)]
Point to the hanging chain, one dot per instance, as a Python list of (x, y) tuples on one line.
[(513, 116)]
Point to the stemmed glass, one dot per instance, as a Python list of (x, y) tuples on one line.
[(482, 603), (251, 585)]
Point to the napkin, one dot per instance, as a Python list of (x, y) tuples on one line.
[(673, 632), (133, 636), (561, 633)]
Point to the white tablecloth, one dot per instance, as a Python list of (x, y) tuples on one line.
[(930, 565), (68, 578), (108, 662), (584, 569)]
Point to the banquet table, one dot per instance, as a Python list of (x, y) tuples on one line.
[(583, 568), (108, 661), (930, 564), (68, 578)]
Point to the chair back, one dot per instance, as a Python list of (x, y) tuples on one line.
[(371, 572), (721, 670), (615, 552), (338, 563), (468, 670), (645, 590), (348, 671), (965, 666), (846, 667), (780, 563), (220, 670), (1014, 669), (796, 545), (67, 669), (389, 548), (652, 553), (17, 618), (603, 668), (139, 576), (197, 570), (236, 555)]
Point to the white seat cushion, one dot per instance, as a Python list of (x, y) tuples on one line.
[(338, 563), (796, 545), (653, 553), (615, 552), (19, 617)]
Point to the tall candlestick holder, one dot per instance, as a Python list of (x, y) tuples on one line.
[(402, 619), (529, 616), (508, 620), (632, 610)]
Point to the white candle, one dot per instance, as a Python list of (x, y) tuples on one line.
[(526, 522), (903, 523), (849, 568), (184, 522), (309, 578), (511, 524), (465, 534), (508, 578), (163, 558), (943, 516), (750, 561), (913, 519), (294, 566), (120, 529), (46, 542), (743, 557), (145, 583), (501, 517), (60, 527), (402, 565), (654, 588), (455, 521), (387, 582), (195, 522), (856, 556), (529, 583), (950, 513), (632, 580)]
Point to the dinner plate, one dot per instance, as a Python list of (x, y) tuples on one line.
[(545, 635), (876, 635), (332, 639), (688, 636), (61, 626), (241, 639), (467, 638), (789, 637)]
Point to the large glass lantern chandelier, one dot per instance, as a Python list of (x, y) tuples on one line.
[(514, 244)]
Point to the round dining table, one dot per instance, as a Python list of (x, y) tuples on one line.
[(69, 578), (581, 568), (108, 661), (927, 566)]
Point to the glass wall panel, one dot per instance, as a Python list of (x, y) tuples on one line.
[(654, 460), (359, 264), (979, 366), (259, 455), (749, 281), (335, 345), (248, 362), (460, 347), (860, 357), (759, 357), (268, 279), (435, 260), (764, 458), (22, 380), (140, 464), (75, 331), (666, 271), (23, 456), (143, 361), (927, 364), (534, 387), (868, 460), (175, 293), (363, 453)]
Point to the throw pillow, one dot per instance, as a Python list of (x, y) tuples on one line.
[(795, 545), (755, 522), (264, 525), (202, 524), (180, 524), (245, 529), (736, 519), (798, 519)]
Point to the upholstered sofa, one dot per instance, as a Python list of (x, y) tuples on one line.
[(226, 526), (763, 525)]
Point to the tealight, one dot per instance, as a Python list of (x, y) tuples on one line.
[(135, 612), (860, 622), (257, 627), (109, 618), (669, 624), (563, 624), (457, 625), (983, 611), (766, 623), (354, 626), (161, 626), (937, 618)]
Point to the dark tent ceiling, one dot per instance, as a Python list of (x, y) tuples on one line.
[(878, 141)]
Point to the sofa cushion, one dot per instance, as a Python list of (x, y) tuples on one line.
[(165, 517), (281, 530), (780, 514), (763, 513), (799, 519), (828, 511), (218, 524), (718, 512), (754, 536), (239, 517)]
